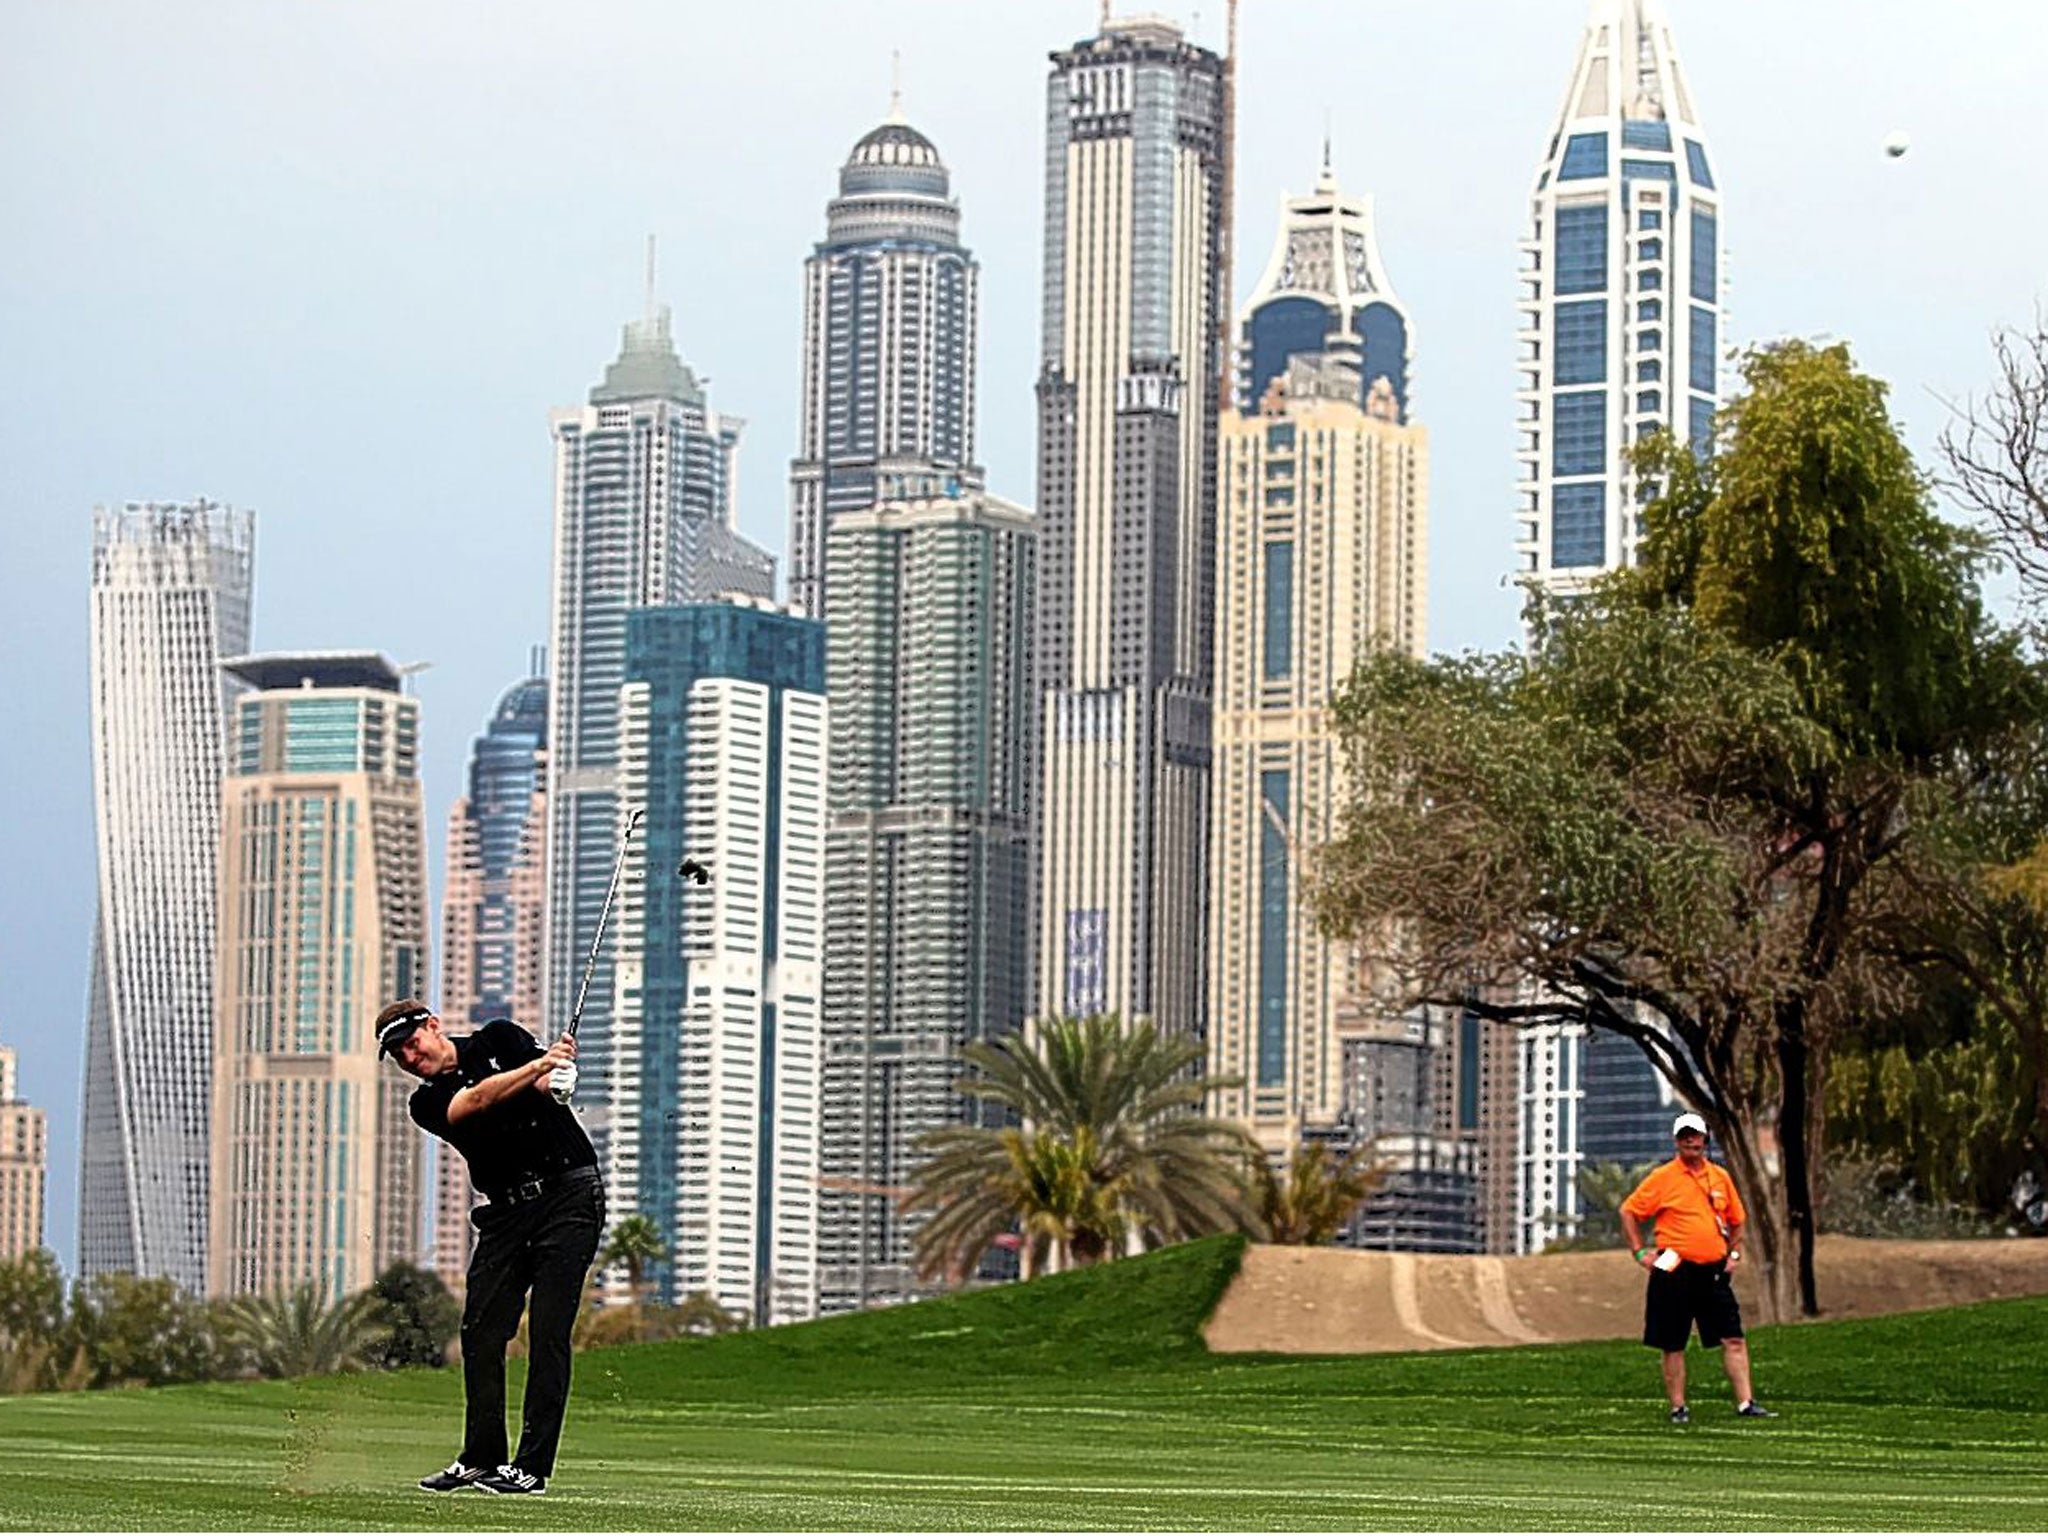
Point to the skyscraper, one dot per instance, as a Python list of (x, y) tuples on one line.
[(1128, 392), (170, 597), (643, 517), (1621, 296), (492, 910), (1622, 326), (1325, 290), (322, 921), (713, 1099), (1322, 554), (928, 922), (889, 335), (24, 1155)]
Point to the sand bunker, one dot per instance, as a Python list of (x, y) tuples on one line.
[(1340, 1302)]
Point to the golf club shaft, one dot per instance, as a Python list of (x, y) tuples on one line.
[(603, 916)]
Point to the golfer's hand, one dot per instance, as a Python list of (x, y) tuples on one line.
[(562, 1082)]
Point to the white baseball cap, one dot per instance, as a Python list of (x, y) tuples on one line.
[(1688, 1122)]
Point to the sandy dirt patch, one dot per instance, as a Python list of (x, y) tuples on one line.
[(1338, 1301)]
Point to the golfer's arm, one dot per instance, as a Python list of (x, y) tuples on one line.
[(497, 1088)]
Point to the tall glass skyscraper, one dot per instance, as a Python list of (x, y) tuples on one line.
[(889, 334), (492, 911), (1129, 387), (1621, 314), (928, 923), (643, 517), (714, 1094), (1322, 554), (323, 920), (170, 598), (1622, 327)]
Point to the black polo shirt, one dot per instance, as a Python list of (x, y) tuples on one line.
[(527, 1136)]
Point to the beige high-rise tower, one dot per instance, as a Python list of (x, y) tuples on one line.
[(322, 920), (24, 1165), (1321, 553)]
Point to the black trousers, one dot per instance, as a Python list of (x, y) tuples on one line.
[(1702, 1294), (544, 1246)]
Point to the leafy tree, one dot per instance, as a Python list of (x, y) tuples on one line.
[(1678, 819), (1866, 1199), (1110, 1149), (1597, 1227), (131, 1329), (635, 1244), (699, 1313), (418, 1315), (1319, 1196), (298, 1332), (695, 1315), (33, 1336)]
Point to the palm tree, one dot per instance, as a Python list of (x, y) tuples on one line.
[(1110, 1147), (296, 1333), (1319, 1195), (635, 1243)]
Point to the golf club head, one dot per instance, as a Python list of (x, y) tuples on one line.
[(692, 871)]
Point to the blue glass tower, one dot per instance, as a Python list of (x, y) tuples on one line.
[(1325, 290), (1622, 327), (491, 962), (714, 1096), (1621, 314)]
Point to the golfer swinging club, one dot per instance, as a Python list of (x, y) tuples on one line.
[(1698, 1218), (501, 1101)]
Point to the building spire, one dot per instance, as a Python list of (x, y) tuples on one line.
[(895, 85), (1327, 181), (650, 278)]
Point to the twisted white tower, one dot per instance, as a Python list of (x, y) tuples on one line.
[(170, 598)]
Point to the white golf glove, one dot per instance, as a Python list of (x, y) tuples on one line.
[(562, 1082)]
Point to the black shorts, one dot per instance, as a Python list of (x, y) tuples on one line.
[(1689, 1294)]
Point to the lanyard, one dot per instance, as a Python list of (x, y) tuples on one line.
[(1704, 1182)]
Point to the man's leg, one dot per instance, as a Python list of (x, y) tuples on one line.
[(1667, 1327), (499, 1273), (1735, 1361), (563, 1249), (1674, 1377)]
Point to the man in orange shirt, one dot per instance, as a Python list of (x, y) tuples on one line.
[(1698, 1218)]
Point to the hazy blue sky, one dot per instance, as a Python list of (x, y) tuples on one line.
[(336, 261)]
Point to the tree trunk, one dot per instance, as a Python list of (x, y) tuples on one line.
[(1769, 1232), (1794, 1120)]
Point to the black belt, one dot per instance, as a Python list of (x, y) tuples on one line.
[(533, 1189)]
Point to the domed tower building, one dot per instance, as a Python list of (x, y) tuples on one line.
[(889, 324)]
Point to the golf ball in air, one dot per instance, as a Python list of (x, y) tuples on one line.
[(1896, 143)]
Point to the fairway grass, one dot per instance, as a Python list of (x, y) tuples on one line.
[(1088, 1401)]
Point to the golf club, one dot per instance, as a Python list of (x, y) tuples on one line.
[(603, 916)]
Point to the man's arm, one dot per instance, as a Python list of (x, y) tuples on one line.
[(1632, 1233), (1734, 1242), (501, 1086)]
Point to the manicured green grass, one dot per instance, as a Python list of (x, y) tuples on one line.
[(1088, 1401)]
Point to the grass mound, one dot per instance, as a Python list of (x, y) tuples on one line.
[(1146, 1313), (1087, 1401)]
